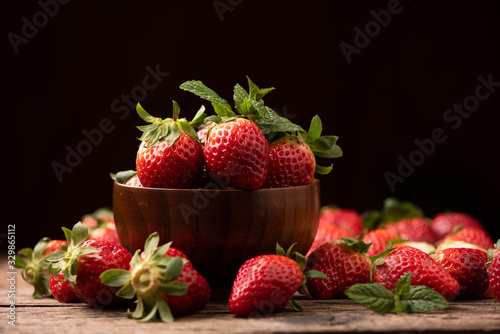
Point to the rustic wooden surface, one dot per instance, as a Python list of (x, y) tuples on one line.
[(337, 316)]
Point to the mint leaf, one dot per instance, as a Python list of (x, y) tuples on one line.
[(423, 299), (221, 106), (402, 292), (373, 296)]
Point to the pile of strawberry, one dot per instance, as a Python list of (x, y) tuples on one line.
[(102, 273), (248, 148), (366, 255), (383, 260)]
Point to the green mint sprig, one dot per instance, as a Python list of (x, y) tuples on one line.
[(405, 298)]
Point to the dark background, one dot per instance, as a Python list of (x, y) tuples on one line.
[(396, 90)]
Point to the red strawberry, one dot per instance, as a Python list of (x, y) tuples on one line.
[(346, 219), (414, 229), (202, 134), (163, 280), (84, 261), (170, 155), (443, 224), (425, 271), (291, 163), (264, 284), (327, 233), (494, 272), (344, 262), (106, 231), (378, 239), (237, 153), (134, 182), (472, 236), (62, 290), (35, 269), (54, 245), (90, 221), (468, 267)]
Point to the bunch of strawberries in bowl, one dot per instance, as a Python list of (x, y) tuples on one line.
[(248, 148)]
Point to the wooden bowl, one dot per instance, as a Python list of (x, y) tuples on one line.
[(218, 230)]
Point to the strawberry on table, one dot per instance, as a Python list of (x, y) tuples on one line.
[(170, 155), (468, 267), (106, 231), (265, 284), (344, 262), (62, 290), (35, 269), (414, 229), (471, 235), (494, 272), (346, 219), (328, 233), (163, 280), (82, 263), (379, 239), (445, 223), (425, 271)]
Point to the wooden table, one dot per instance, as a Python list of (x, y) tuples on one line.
[(338, 316)]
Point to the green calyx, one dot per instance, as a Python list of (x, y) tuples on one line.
[(250, 104), (302, 262), (148, 279), (168, 129), (35, 268), (67, 261), (405, 298)]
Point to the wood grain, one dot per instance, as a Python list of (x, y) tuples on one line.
[(331, 316), (218, 230)]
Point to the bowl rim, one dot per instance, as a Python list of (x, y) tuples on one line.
[(313, 183)]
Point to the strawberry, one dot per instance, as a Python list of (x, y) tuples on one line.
[(291, 163), (62, 290), (327, 233), (425, 271), (84, 261), (494, 272), (134, 182), (35, 270), (265, 284), (170, 155), (106, 231), (344, 262), (237, 151), (346, 219), (52, 246), (444, 223), (468, 267), (471, 235), (414, 229), (378, 238), (163, 280), (202, 133)]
